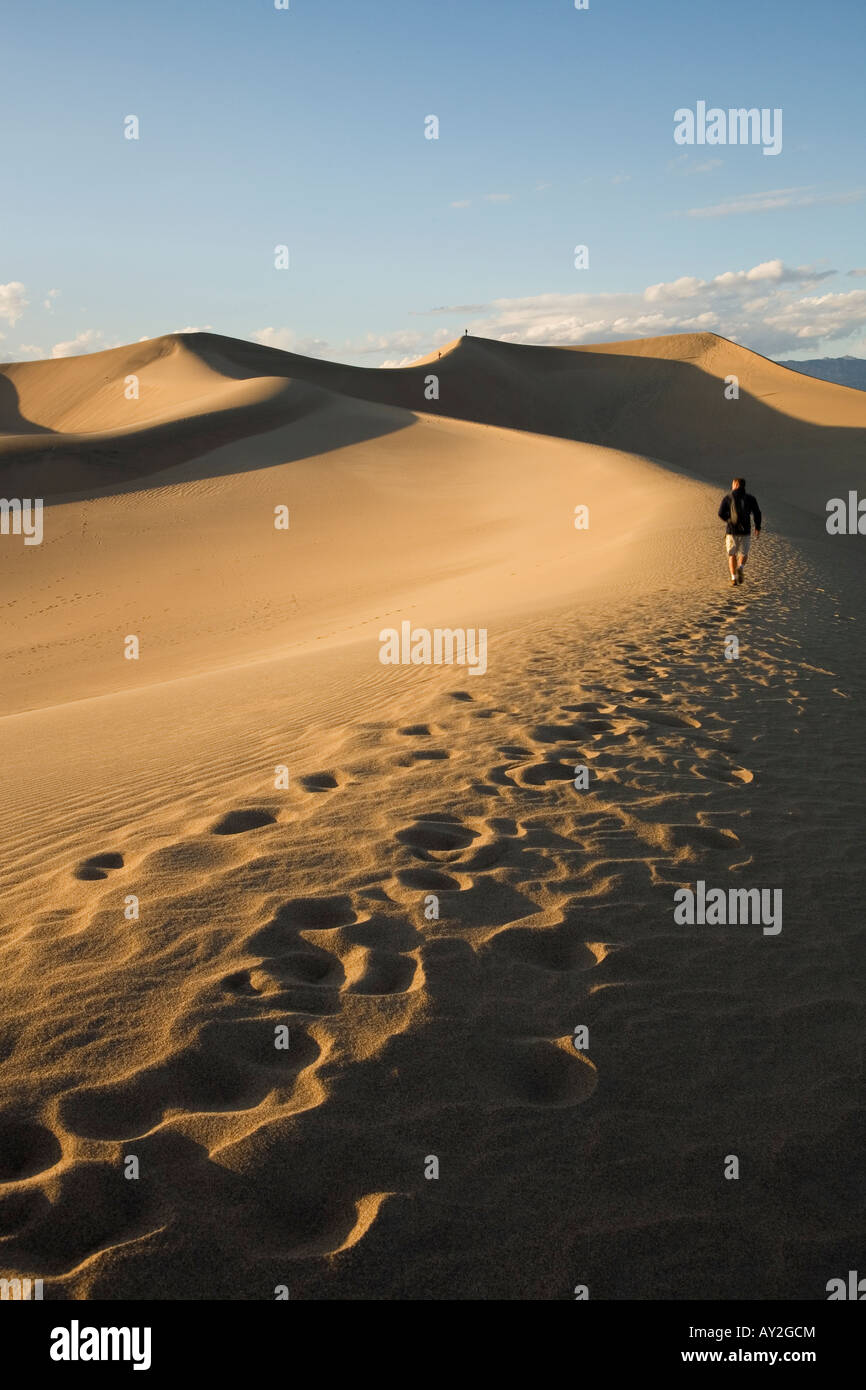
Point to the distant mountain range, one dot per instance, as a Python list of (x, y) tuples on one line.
[(845, 371)]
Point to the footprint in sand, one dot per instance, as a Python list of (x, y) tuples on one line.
[(546, 1072), (230, 1065), (427, 880), (435, 835), (296, 973), (716, 768), (699, 837), (453, 841), (309, 968), (238, 822), (97, 866), (319, 782), (238, 982), (300, 914), (91, 1209), (26, 1148), (281, 986), (316, 1224), (554, 948), (557, 733), (539, 774), (372, 971)]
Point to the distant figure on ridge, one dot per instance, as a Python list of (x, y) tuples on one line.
[(737, 509)]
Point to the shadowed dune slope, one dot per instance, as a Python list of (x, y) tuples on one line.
[(663, 397)]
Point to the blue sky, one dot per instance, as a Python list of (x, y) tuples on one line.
[(306, 127)]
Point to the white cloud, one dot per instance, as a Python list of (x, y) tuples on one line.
[(684, 288), (860, 270), (683, 164), (450, 309), (13, 301), (88, 341), (731, 281), (312, 347), (274, 337), (509, 197), (47, 303), (772, 201), (770, 307), (207, 328), (410, 343), (409, 340), (824, 316), (288, 341)]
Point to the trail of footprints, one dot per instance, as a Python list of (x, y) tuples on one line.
[(510, 882)]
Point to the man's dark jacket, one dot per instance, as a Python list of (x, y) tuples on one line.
[(747, 507)]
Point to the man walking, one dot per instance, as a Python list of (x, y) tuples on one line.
[(737, 509)]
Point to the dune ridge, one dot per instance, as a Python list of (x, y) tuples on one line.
[(621, 395)]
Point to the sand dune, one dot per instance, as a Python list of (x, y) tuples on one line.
[(262, 906), (661, 397)]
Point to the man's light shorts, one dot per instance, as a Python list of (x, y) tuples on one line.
[(738, 545)]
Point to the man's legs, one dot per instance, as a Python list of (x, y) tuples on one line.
[(732, 558), (738, 552), (743, 548)]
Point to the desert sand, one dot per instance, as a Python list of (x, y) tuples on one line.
[(301, 899)]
